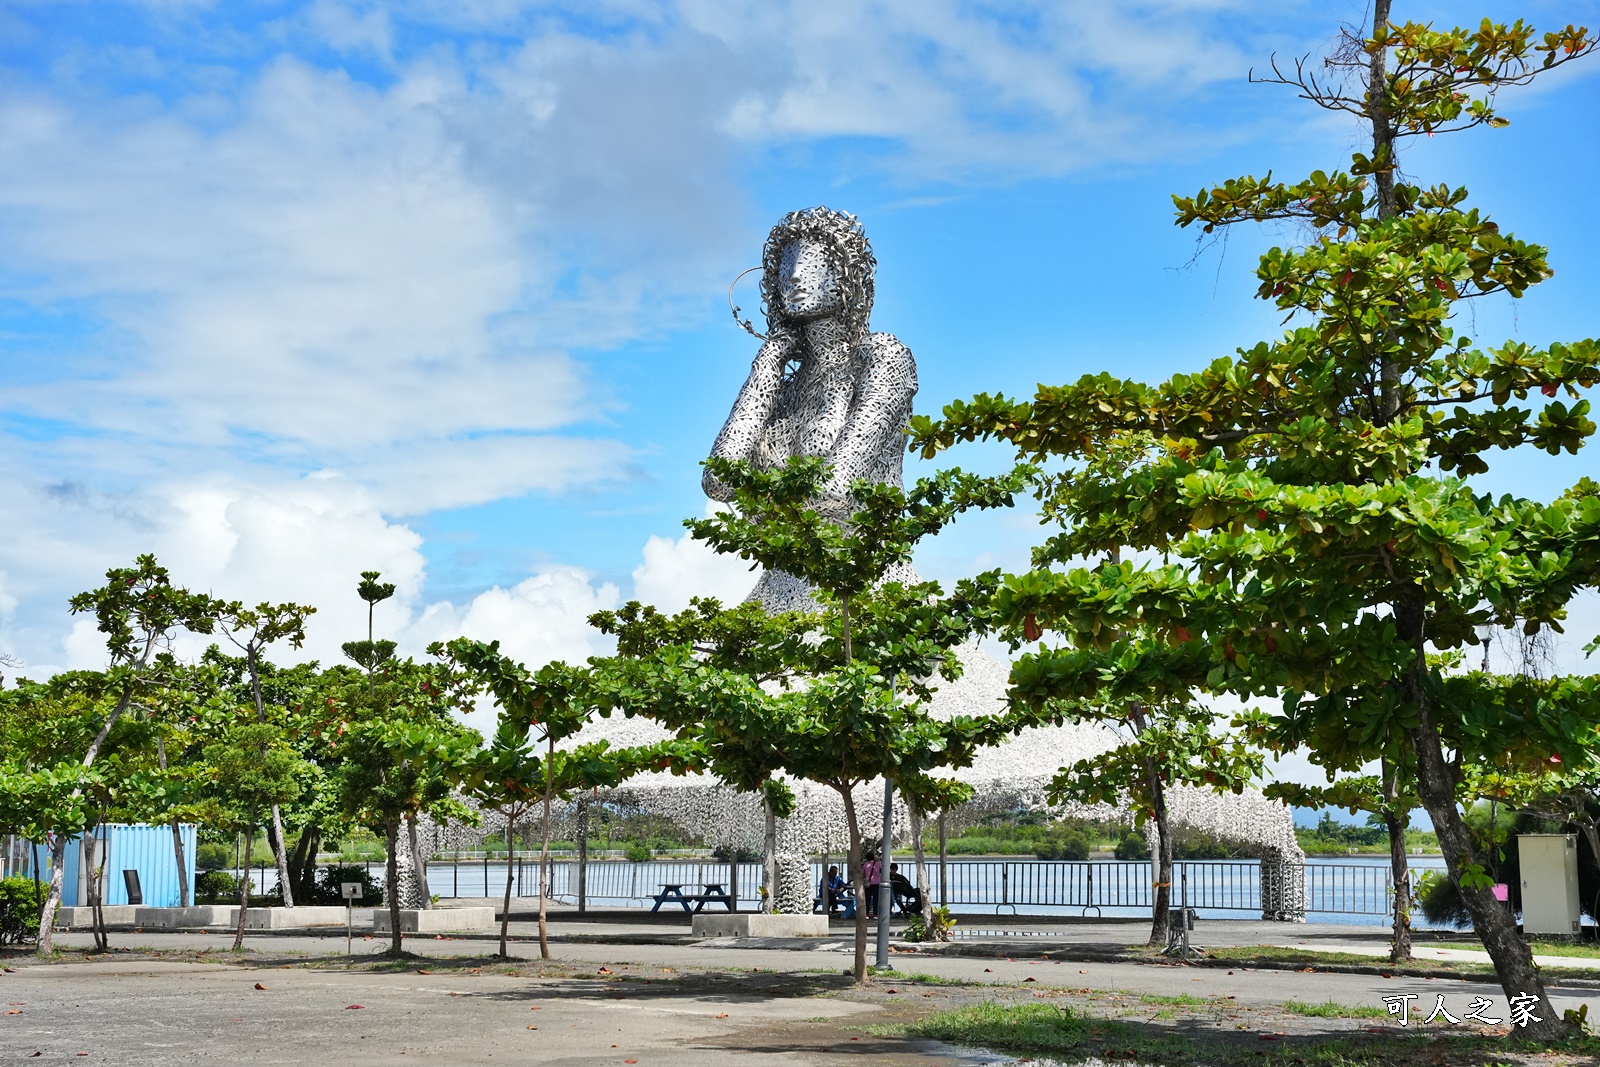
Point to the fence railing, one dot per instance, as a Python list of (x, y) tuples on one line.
[(1091, 887)]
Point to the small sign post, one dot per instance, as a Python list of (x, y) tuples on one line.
[(351, 891)]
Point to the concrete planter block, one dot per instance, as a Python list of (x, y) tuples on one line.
[(184, 918), (293, 918), (82, 917), (434, 920), (756, 924)]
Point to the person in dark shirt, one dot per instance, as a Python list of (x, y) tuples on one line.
[(906, 896), (837, 892)]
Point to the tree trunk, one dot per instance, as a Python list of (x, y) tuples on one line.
[(419, 863), (280, 857), (52, 899), (921, 860), (1400, 873), (1161, 862), (544, 850), (303, 865), (94, 857), (505, 910), (244, 891), (391, 873), (1394, 821), (1436, 787), (858, 883)]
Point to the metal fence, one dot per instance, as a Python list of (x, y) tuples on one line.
[(1008, 886)]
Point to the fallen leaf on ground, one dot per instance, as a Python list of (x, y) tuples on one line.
[(533, 1028), (722, 1015), (1030, 978), (13, 1011), (354, 1007), (605, 970), (260, 986), (423, 970)]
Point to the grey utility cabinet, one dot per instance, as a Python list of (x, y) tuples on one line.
[(1549, 883)]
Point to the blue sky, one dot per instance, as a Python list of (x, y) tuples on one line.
[(289, 290)]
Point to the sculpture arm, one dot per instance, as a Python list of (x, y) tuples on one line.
[(751, 412), (873, 442)]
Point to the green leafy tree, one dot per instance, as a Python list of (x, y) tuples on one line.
[(864, 661), (139, 611), (371, 654), (510, 775), (1312, 487), (248, 770), (251, 630), (383, 776), (1163, 745), (1386, 797)]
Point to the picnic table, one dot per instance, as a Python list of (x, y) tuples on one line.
[(672, 893)]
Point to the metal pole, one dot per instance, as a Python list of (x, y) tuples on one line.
[(347, 907), (583, 855), (944, 895), (885, 899)]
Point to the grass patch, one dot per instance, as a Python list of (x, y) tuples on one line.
[(1014, 1028), (1539, 948), (918, 978), (1185, 999), (1332, 1009)]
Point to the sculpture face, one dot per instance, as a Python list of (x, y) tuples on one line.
[(808, 286)]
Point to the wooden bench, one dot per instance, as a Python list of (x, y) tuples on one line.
[(672, 893)]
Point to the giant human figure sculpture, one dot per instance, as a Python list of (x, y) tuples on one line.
[(822, 383)]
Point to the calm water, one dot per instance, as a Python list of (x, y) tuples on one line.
[(1352, 889)]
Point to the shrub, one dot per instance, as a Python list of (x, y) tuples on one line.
[(637, 852), (213, 856), (329, 882), (20, 901), (727, 853), (215, 887), (1063, 846), (1133, 846)]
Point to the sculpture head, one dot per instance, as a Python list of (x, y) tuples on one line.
[(817, 264)]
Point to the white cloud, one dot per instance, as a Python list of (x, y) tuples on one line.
[(673, 571)]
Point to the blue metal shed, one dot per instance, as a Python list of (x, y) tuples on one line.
[(144, 849)]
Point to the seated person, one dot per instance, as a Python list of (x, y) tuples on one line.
[(906, 896), (836, 893)]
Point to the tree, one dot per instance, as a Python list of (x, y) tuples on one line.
[(370, 654), (859, 669), (557, 701), (251, 630), (1385, 797), (380, 734), (139, 610), (1306, 485), (1163, 745), (249, 770)]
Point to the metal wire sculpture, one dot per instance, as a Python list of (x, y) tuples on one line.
[(822, 384)]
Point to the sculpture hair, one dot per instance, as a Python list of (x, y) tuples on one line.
[(840, 235)]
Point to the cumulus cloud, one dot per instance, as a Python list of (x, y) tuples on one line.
[(674, 571)]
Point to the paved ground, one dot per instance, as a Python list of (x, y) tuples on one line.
[(660, 999)]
